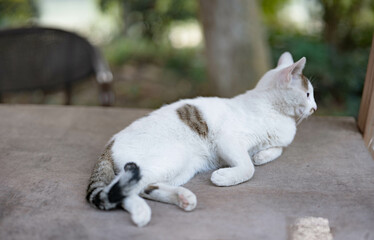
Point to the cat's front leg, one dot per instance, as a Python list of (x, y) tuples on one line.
[(236, 156), (267, 155)]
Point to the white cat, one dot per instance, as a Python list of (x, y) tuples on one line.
[(156, 154)]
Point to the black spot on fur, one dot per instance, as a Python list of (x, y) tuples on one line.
[(115, 194), (89, 194), (130, 167), (150, 189), (97, 201), (134, 169), (89, 186), (135, 176)]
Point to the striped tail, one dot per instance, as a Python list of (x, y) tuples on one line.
[(102, 191)]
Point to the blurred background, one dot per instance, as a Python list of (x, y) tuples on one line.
[(160, 51)]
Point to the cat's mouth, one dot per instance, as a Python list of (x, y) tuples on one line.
[(305, 115)]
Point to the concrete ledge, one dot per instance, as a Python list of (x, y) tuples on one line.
[(47, 153)]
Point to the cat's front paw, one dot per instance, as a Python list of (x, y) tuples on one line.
[(259, 159), (266, 156), (222, 177), (186, 200)]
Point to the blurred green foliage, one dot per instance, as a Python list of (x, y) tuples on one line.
[(347, 23), (147, 23), (270, 9), (337, 56), (152, 17), (17, 12), (187, 62)]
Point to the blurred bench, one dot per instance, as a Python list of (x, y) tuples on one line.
[(49, 59)]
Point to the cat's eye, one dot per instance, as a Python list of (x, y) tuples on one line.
[(307, 94)]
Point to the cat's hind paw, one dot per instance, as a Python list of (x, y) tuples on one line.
[(139, 210), (141, 216), (186, 199)]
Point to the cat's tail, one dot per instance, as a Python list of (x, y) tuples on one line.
[(106, 190)]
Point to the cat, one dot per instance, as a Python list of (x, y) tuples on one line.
[(155, 155)]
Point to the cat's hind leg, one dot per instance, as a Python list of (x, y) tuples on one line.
[(179, 196), (266, 156), (138, 208)]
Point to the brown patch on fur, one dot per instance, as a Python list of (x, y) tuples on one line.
[(103, 173), (191, 116), (107, 154), (304, 82), (150, 189)]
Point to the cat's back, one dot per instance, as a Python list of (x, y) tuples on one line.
[(182, 128), (183, 120)]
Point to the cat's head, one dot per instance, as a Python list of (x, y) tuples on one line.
[(288, 75)]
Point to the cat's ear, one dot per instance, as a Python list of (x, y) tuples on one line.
[(297, 67), (293, 72), (285, 59)]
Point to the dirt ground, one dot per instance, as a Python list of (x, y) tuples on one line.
[(144, 86)]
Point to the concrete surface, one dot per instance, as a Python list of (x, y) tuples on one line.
[(47, 154)]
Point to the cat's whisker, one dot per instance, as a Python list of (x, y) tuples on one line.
[(301, 118), (298, 119)]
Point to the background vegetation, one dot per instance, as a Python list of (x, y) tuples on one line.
[(150, 71)]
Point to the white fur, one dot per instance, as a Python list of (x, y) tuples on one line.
[(267, 155), (138, 208), (253, 126)]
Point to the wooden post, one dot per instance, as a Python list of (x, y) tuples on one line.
[(366, 114), (369, 129), (236, 48)]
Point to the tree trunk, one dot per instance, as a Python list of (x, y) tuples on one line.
[(235, 46)]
